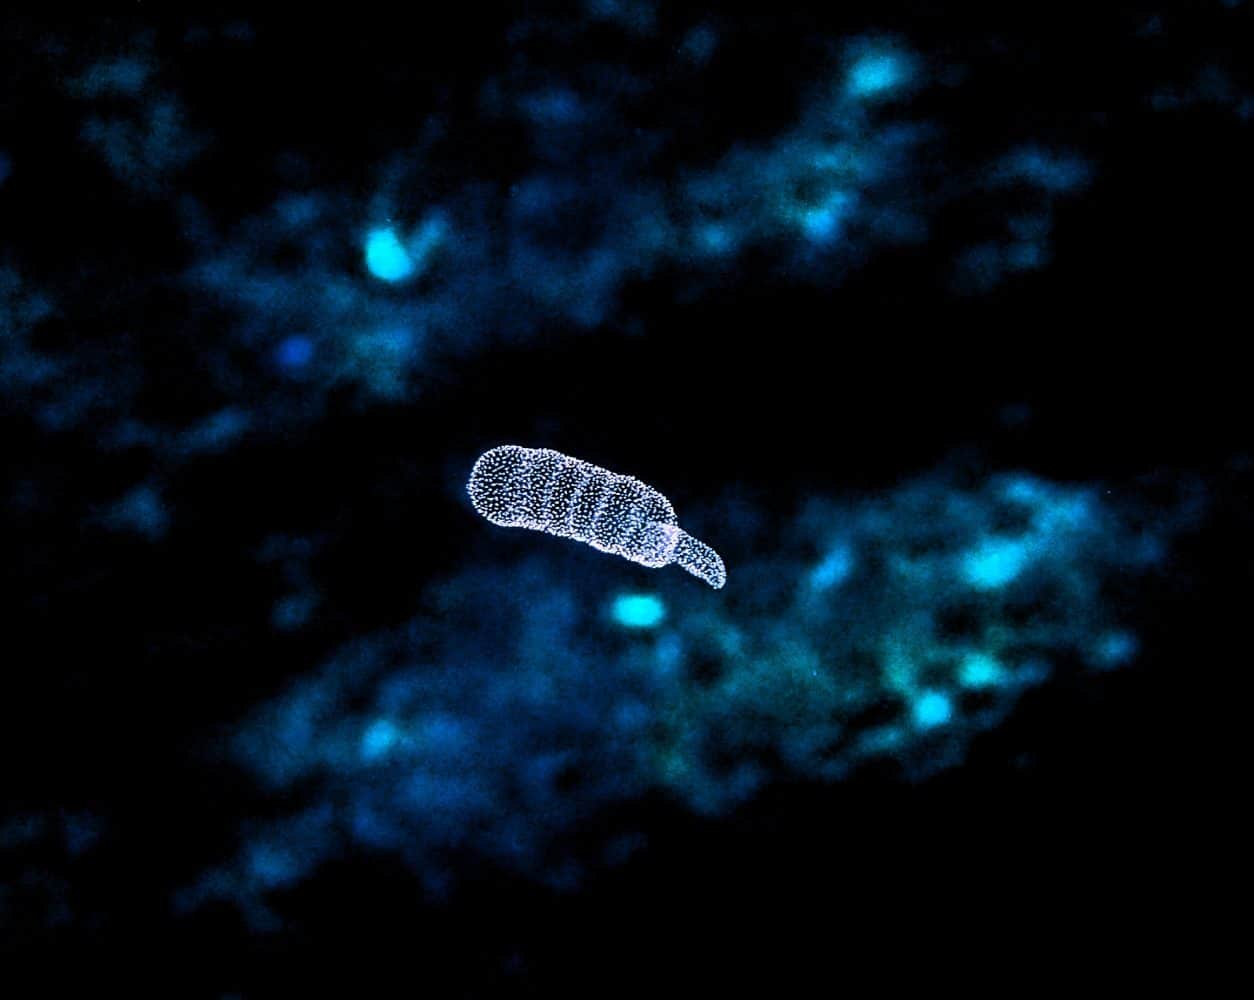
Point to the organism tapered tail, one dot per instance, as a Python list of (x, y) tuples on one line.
[(544, 490)]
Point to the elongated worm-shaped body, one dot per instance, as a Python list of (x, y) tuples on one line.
[(544, 490)]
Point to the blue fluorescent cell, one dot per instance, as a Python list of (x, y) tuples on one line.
[(293, 610), (1115, 648), (1054, 172), (825, 222), (81, 831), (931, 709), (639, 610), (834, 568), (1024, 489), (875, 73), (979, 670), (272, 865), (1025, 256), (380, 736), (294, 352), (557, 106), (386, 256), (715, 238), (141, 511), (394, 340), (699, 43), (994, 563)]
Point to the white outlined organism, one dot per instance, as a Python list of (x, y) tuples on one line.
[(544, 490)]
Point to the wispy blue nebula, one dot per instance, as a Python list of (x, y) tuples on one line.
[(504, 723), (331, 287)]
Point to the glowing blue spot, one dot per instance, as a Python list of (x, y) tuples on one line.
[(824, 223), (834, 568), (933, 708), (979, 670), (1115, 648), (294, 352), (379, 737), (994, 563), (715, 238), (1023, 489), (386, 256), (141, 511), (271, 865), (875, 73), (639, 610)]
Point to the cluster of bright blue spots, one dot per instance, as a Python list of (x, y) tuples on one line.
[(555, 245), (501, 741), (594, 203), (639, 610), (386, 257)]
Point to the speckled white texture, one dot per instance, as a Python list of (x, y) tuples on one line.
[(544, 490)]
